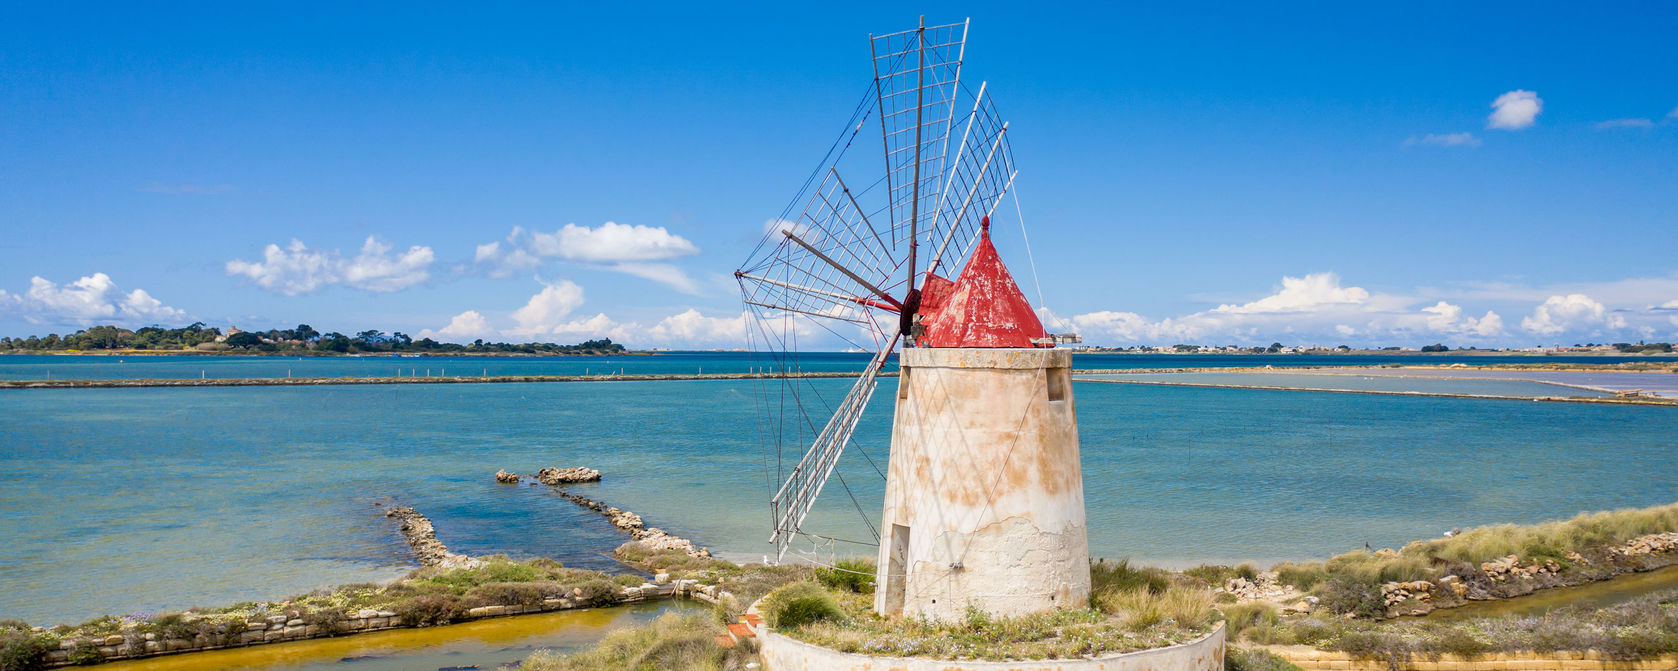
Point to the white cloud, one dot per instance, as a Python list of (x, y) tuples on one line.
[(94, 298), (1625, 123), (1515, 110), (1565, 313), (547, 310), (692, 328), (374, 271), (612, 243), (1673, 114), (505, 263), (1320, 309), (663, 273), (1448, 140), (1314, 292), (1446, 318), (549, 316), (297, 269), (1669, 305), (468, 325), (611, 246), (1121, 326)]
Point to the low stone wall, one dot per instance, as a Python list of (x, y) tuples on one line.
[(783, 653), (281, 628), (1507, 577), (1312, 659)]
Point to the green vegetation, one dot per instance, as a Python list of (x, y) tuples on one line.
[(22, 649), (1131, 609), (854, 575), (426, 596), (1641, 628), (1241, 659), (673, 641), (677, 563), (1351, 583), (799, 604), (303, 339), (1216, 575), (1644, 348)]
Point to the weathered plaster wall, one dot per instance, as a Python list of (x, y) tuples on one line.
[(985, 482)]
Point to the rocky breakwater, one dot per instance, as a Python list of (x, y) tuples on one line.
[(422, 537), (649, 538), (1511, 576), (554, 477), (1267, 588)]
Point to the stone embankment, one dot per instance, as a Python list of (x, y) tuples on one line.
[(214, 633), (422, 537), (651, 538), (317, 381), (196, 632), (1508, 576)]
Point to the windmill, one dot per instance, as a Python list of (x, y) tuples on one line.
[(867, 260)]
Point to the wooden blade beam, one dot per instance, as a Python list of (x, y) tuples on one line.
[(847, 271)]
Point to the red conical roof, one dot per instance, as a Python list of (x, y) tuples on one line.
[(983, 309)]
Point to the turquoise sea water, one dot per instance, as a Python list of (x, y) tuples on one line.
[(126, 500), (103, 367), (1371, 383)]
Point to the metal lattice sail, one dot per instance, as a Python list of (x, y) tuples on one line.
[(859, 251)]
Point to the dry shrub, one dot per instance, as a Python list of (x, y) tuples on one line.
[(429, 609), (673, 641), (1187, 607), (799, 604)]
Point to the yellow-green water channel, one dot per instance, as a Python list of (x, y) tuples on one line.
[(484, 644), (1591, 595)]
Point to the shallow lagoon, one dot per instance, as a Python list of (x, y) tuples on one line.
[(125, 500)]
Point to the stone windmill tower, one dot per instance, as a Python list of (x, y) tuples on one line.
[(984, 492), (984, 501)]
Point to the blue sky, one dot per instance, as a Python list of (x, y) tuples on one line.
[(1214, 173)]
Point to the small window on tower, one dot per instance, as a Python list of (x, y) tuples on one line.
[(1057, 383)]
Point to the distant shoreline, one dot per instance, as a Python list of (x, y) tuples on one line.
[(312, 353)]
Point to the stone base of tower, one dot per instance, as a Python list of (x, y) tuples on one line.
[(984, 504)]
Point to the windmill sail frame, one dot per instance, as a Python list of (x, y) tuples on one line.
[(852, 257)]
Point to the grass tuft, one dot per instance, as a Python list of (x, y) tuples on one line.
[(673, 641), (854, 575), (799, 604)]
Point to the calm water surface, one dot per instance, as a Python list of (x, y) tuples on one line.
[(126, 500), (101, 367)]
